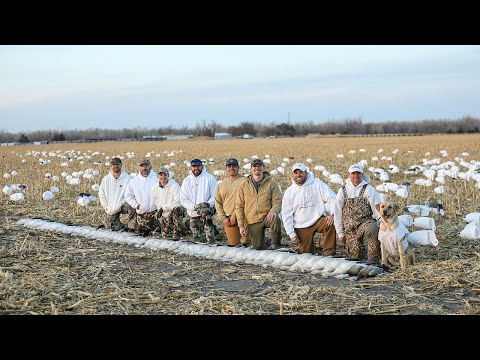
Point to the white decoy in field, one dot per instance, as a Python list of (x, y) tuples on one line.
[(393, 169), (414, 170), (17, 197), (471, 231), (406, 220), (421, 210), (432, 207), (402, 192), (74, 181), (84, 199), (21, 187), (471, 217), (47, 195), (425, 222), (423, 237), (392, 186), (436, 207), (7, 190)]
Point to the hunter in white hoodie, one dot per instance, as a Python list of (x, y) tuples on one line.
[(170, 211), (139, 195), (111, 194), (304, 211), (197, 195)]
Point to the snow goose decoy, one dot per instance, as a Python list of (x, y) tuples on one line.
[(423, 237)]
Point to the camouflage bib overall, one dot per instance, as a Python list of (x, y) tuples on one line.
[(357, 217)]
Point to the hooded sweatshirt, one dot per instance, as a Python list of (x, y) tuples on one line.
[(303, 205), (139, 191), (167, 197), (352, 192), (197, 189), (112, 192)]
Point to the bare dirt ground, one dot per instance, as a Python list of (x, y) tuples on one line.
[(49, 273)]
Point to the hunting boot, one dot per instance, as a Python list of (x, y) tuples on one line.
[(276, 242), (165, 227), (210, 230)]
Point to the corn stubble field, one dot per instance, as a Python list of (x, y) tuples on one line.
[(51, 273)]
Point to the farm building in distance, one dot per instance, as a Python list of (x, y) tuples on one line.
[(179, 137), (154, 138), (219, 135)]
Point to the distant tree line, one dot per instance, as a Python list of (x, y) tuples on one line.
[(349, 126)]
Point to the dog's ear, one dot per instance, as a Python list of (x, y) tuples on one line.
[(377, 207), (396, 209)]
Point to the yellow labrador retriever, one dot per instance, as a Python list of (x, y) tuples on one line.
[(393, 237)]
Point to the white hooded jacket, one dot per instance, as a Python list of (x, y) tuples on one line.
[(167, 197), (303, 205), (112, 192), (139, 191), (354, 191), (197, 189)]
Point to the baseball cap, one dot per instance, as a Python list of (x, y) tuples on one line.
[(257, 161), (299, 166), (163, 169), (115, 161), (232, 161), (355, 167), (144, 162), (196, 162)]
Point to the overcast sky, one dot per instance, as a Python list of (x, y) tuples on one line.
[(115, 87)]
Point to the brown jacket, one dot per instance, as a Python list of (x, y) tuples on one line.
[(225, 196), (251, 207)]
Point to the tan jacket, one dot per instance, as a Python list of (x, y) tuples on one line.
[(251, 207), (225, 196)]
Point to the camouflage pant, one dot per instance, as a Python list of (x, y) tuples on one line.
[(113, 221), (367, 233), (203, 229), (173, 223), (145, 223)]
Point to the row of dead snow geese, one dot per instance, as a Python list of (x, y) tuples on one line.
[(324, 266)]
